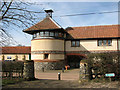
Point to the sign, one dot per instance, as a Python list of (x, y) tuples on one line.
[(110, 74)]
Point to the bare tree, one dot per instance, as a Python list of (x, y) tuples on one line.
[(16, 14)]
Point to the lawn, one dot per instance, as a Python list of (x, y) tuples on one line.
[(6, 81)]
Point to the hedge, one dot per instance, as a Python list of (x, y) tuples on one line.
[(103, 63), (12, 65)]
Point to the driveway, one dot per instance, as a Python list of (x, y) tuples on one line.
[(53, 74)]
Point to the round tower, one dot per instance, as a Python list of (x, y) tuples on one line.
[(47, 45)]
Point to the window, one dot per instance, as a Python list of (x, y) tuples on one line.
[(9, 57), (104, 42), (99, 42), (56, 34), (109, 42), (60, 34), (34, 35), (41, 33), (64, 35), (46, 56), (46, 33), (75, 43), (37, 34), (51, 33)]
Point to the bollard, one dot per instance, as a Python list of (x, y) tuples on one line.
[(59, 76), (63, 70)]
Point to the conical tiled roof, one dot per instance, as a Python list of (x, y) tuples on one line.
[(47, 23)]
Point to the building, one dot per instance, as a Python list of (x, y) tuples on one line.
[(15, 53), (52, 47)]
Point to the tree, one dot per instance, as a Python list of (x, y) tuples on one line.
[(16, 14)]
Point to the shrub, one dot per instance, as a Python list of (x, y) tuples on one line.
[(102, 63), (12, 65)]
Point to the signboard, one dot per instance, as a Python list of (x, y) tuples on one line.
[(110, 74)]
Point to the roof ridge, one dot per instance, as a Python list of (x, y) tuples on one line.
[(17, 46), (55, 22), (97, 25)]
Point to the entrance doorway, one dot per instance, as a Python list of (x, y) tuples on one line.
[(73, 60)]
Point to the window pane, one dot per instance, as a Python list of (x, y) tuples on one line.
[(99, 42), (51, 33), (60, 34), (73, 43), (56, 34), (77, 43), (41, 33), (9, 57), (46, 33), (109, 42), (37, 34), (104, 42), (64, 35), (34, 35)]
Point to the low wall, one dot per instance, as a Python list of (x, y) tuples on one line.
[(49, 65)]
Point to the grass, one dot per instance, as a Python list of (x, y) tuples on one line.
[(6, 81)]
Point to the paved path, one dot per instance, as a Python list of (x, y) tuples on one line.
[(53, 75)]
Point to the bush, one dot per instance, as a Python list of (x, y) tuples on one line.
[(12, 65), (102, 63)]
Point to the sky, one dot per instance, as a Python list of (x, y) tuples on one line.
[(69, 8)]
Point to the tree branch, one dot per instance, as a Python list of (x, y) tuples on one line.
[(7, 8)]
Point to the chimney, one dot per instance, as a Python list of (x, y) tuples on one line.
[(49, 13)]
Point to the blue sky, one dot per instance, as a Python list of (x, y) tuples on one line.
[(68, 8)]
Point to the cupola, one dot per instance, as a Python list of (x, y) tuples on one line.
[(49, 13)]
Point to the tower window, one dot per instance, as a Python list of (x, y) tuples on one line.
[(34, 35), (51, 33), (46, 56), (56, 34), (46, 33), (37, 35), (41, 33)]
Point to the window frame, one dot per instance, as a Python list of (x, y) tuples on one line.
[(51, 33), (46, 34), (56, 34), (42, 34), (75, 43), (9, 57), (103, 44)]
